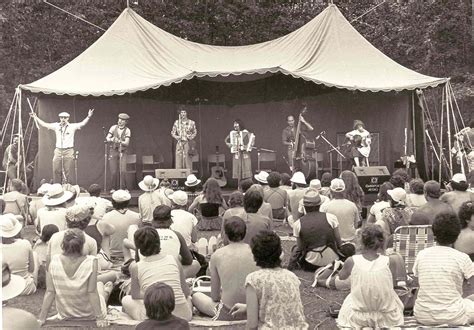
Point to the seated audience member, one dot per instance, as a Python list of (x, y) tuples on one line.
[(266, 208), (159, 303), (236, 209), (121, 218), (459, 193), (255, 222), (41, 250), (14, 318), (164, 191), (470, 181), (314, 184), (398, 214), (268, 305), (294, 196), (262, 179), (101, 205), (317, 236), (16, 202), (346, 212), (353, 191), (372, 301), (465, 241), (285, 181), (382, 202), (441, 271), (37, 202), (172, 242), (101, 232), (326, 179), (54, 212), (184, 222), (425, 214), (77, 217), (150, 199), (229, 266), (400, 178), (193, 184), (416, 197), (209, 203), (154, 266), (71, 282), (276, 196), (17, 252)]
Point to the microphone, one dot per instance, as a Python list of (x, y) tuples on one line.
[(322, 133)]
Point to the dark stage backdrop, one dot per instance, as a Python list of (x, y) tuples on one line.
[(265, 114)]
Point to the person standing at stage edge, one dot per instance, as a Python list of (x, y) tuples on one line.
[(119, 138), (184, 131), (63, 158)]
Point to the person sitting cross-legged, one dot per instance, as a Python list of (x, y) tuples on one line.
[(71, 282), (317, 236), (229, 266), (155, 266), (441, 271)]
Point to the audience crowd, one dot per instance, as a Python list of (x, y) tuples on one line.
[(90, 252)]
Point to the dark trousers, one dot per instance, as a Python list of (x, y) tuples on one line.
[(115, 166)]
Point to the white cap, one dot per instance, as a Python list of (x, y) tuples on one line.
[(298, 177)]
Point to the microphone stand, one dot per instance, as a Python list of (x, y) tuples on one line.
[(333, 148), (76, 155)]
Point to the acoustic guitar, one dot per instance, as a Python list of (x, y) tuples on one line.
[(217, 171)]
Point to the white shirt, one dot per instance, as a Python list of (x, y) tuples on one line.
[(441, 271), (64, 134), (56, 216), (183, 223), (54, 245)]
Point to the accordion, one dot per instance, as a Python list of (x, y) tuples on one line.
[(241, 141)]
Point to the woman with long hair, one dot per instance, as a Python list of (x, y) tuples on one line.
[(210, 205), (382, 202), (353, 191)]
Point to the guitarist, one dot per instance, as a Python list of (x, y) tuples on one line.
[(360, 139), (184, 131)]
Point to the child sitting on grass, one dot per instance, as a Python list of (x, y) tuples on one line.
[(159, 303), (372, 301)]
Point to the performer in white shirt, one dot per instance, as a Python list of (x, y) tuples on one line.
[(119, 138), (360, 139), (63, 159), (240, 141), (184, 131)]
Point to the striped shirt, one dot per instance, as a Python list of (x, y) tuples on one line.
[(72, 299), (441, 271)]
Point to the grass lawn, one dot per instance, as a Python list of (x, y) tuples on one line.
[(316, 301)]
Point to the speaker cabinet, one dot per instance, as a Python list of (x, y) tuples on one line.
[(371, 178), (176, 177)]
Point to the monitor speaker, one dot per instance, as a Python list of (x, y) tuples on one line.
[(176, 177), (371, 178)]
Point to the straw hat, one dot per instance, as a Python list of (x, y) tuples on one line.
[(9, 225), (78, 212), (315, 184), (12, 285), (261, 177), (56, 195), (298, 177), (312, 198), (192, 181), (179, 197), (44, 188), (149, 183)]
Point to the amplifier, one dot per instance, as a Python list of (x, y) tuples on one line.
[(371, 178), (176, 177)]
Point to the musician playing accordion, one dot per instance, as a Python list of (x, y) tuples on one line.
[(241, 142)]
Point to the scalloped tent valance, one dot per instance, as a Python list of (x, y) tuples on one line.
[(134, 55)]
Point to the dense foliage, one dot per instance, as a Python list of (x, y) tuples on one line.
[(430, 36)]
